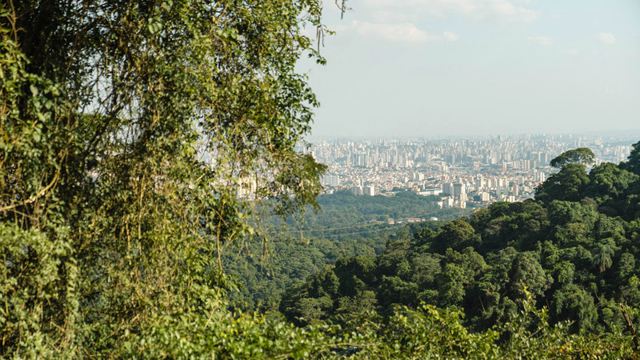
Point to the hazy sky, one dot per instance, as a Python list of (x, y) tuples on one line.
[(479, 67)]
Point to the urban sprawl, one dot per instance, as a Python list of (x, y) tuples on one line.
[(458, 173)]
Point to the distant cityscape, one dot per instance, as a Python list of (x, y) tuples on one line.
[(458, 173)]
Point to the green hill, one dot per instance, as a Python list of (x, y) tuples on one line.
[(574, 250)]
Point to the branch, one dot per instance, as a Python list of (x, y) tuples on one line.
[(630, 327), (35, 197)]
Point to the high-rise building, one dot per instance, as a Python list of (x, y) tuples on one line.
[(447, 188), (369, 190), (459, 192)]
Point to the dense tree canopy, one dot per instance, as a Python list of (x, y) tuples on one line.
[(572, 249)]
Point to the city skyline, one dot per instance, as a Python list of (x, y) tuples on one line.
[(426, 68), (457, 173)]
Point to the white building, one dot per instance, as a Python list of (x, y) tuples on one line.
[(369, 190)]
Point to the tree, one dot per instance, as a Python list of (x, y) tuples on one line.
[(394, 290), (394, 255), (456, 235), (354, 312), (633, 162), (607, 179), (564, 272), (573, 222), (568, 184), (425, 268), (603, 254), (626, 267), (133, 136), (573, 302), (452, 283), (582, 156), (526, 274), (611, 186), (354, 273), (312, 300)]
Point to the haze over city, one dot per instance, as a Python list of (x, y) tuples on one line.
[(439, 68)]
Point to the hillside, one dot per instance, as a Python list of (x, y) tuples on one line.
[(573, 250), (296, 247)]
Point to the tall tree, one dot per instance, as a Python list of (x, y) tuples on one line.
[(633, 162), (568, 184), (133, 136), (582, 156)]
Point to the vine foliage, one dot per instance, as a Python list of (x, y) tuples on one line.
[(134, 135)]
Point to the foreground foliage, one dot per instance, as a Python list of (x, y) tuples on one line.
[(132, 136)]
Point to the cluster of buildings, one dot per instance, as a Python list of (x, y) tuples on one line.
[(455, 172)]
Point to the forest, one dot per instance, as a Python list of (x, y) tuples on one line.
[(300, 245), (132, 132), (572, 250)]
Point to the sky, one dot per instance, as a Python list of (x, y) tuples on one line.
[(438, 68)]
